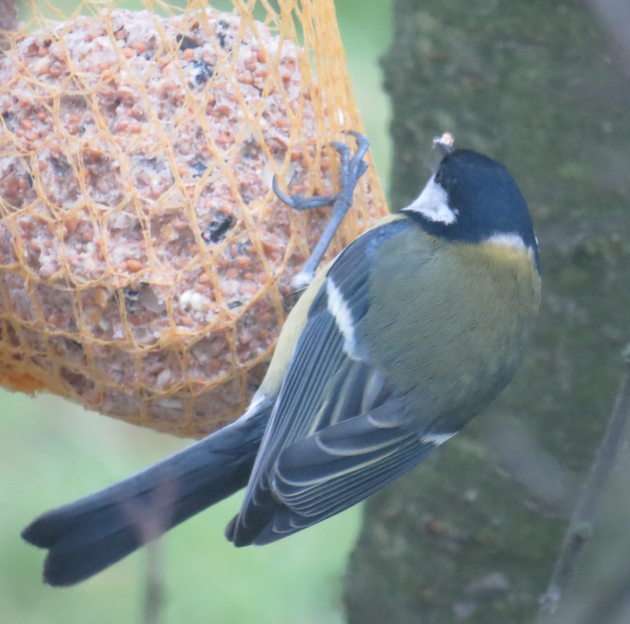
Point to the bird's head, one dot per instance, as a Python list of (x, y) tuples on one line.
[(474, 199)]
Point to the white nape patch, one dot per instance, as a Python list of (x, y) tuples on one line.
[(432, 203), (515, 241), (437, 439), (338, 307)]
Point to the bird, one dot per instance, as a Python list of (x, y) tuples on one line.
[(411, 331)]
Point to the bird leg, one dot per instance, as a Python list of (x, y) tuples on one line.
[(351, 170)]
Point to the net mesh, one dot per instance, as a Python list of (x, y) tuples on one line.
[(145, 263)]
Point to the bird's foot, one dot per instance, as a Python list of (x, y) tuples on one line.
[(352, 167)]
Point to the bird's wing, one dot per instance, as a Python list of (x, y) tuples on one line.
[(335, 468), (331, 379)]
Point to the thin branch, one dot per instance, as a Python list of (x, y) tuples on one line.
[(550, 486), (151, 519), (8, 21), (612, 603), (613, 15), (154, 586), (581, 524), (8, 15)]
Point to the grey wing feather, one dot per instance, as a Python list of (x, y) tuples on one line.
[(325, 382), (338, 467), (302, 409)]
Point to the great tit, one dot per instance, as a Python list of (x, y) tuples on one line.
[(412, 330)]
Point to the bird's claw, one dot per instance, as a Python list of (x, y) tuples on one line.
[(350, 171), (299, 202)]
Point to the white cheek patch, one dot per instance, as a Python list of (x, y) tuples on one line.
[(432, 203), (339, 309), (514, 241)]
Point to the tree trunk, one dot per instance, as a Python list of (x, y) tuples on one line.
[(473, 533)]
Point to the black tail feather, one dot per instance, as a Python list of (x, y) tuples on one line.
[(91, 534)]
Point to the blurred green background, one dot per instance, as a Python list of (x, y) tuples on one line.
[(52, 452)]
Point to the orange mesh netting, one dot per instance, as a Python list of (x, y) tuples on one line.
[(145, 263)]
